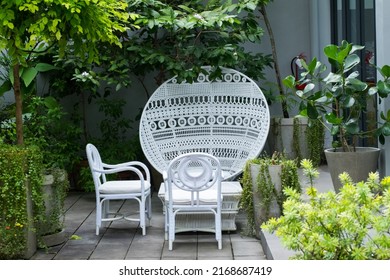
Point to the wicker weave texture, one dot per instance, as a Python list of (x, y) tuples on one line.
[(228, 118)]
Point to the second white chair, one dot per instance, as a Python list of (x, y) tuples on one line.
[(106, 190), (192, 186)]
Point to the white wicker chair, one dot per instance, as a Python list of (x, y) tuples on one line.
[(227, 118), (107, 190), (193, 185)]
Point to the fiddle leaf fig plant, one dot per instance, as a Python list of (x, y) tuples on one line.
[(340, 97)]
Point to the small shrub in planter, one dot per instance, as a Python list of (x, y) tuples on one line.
[(351, 224), (21, 201), (263, 181)]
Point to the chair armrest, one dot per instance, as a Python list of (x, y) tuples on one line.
[(138, 164), (125, 168)]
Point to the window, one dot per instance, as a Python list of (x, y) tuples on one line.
[(354, 21)]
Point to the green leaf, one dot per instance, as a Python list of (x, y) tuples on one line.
[(382, 139), (50, 102), (299, 93), (352, 128), (372, 91), (335, 129), (333, 119), (356, 48), (385, 70), (44, 67), (308, 88), (383, 88), (75, 237), (29, 75), (312, 112), (6, 86), (333, 78), (185, 8), (385, 129), (350, 62), (312, 65), (348, 101), (331, 52), (289, 81), (357, 84)]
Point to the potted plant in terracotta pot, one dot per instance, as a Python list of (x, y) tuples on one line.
[(340, 99)]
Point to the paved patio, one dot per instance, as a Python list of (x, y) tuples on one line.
[(122, 240)]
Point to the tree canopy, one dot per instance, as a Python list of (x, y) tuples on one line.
[(33, 26)]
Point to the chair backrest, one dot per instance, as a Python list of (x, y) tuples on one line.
[(194, 173), (95, 163), (228, 118)]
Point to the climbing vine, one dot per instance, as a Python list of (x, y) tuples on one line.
[(266, 187), (20, 183)]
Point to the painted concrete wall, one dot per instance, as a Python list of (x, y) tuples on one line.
[(290, 22)]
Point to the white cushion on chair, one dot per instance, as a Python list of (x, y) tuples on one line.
[(123, 186), (184, 197)]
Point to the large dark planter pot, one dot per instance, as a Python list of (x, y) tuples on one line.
[(357, 164)]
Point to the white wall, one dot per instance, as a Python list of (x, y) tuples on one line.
[(290, 22), (382, 58)]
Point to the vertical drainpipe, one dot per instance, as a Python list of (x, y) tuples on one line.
[(382, 57)]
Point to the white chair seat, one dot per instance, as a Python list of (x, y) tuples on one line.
[(184, 197), (122, 187)]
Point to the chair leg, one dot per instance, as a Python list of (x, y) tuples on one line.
[(149, 206), (171, 229), (166, 223), (98, 217), (142, 216), (218, 230)]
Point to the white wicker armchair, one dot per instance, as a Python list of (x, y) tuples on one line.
[(227, 118)]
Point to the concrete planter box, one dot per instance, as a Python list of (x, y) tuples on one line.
[(260, 211)]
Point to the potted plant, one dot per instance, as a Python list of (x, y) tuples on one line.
[(350, 224), (21, 200), (339, 100), (47, 128), (264, 180)]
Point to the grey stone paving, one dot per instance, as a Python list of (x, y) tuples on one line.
[(122, 240)]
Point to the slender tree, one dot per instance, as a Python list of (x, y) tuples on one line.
[(28, 27), (263, 11)]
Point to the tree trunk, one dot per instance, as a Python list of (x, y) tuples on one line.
[(18, 104)]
